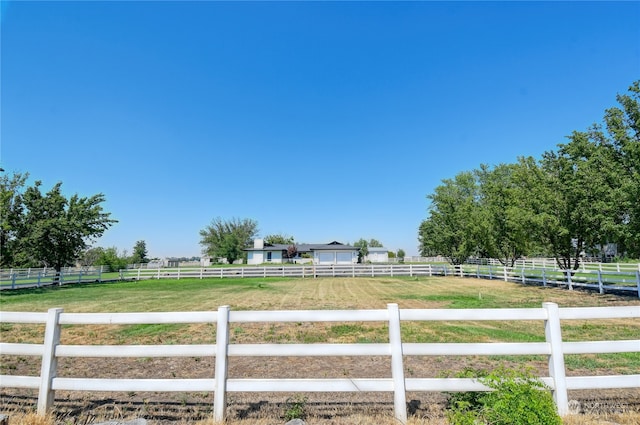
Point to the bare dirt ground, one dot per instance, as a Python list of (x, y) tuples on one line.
[(325, 408)]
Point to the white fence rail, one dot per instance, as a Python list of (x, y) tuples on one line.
[(38, 277), (551, 263), (595, 279), (549, 315)]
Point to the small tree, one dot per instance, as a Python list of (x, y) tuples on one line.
[(401, 254), (139, 255), (292, 251), (364, 249)]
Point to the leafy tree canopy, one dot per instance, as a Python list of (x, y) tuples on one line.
[(139, 255), (278, 239), (572, 201), (48, 228), (228, 238)]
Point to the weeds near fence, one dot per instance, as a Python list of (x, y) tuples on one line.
[(518, 398)]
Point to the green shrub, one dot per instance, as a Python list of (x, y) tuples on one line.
[(518, 398)]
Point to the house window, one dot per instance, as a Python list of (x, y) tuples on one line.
[(269, 256)]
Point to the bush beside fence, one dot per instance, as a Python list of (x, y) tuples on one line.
[(550, 315)]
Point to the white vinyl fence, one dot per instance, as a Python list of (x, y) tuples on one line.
[(46, 276), (550, 316), (594, 279)]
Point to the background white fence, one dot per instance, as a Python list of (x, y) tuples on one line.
[(549, 315), (596, 276), (594, 279), (46, 276)]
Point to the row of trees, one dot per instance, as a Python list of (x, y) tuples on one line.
[(572, 201), (46, 229), (114, 260)]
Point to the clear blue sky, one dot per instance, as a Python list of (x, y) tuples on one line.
[(320, 120)]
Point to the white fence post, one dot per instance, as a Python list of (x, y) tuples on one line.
[(48, 369), (222, 348), (397, 367), (569, 279), (553, 335), (600, 288)]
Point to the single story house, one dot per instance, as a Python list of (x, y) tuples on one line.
[(331, 253), (377, 255)]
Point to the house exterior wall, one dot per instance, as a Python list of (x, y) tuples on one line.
[(255, 257), (259, 257), (275, 257), (377, 256)]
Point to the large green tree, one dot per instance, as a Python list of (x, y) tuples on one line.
[(452, 227), (504, 220), (48, 228), (622, 128), (11, 217), (580, 197), (228, 238)]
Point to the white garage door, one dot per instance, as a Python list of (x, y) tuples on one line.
[(325, 257), (344, 258)]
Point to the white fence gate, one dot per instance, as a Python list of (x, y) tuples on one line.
[(550, 315)]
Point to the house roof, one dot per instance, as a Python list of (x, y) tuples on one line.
[(306, 247)]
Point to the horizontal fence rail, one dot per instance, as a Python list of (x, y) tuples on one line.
[(595, 279), (550, 316)]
